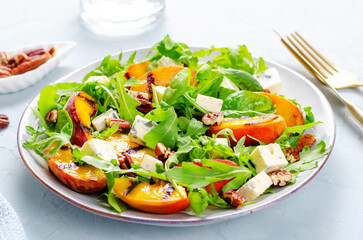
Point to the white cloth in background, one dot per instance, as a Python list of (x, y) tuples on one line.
[(10, 225)]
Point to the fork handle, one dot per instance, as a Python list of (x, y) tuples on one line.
[(355, 111)]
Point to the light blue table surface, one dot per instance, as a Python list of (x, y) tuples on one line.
[(329, 207)]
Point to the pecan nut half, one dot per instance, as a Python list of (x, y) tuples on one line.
[(213, 118), (52, 116), (32, 62), (146, 106), (124, 125), (233, 198), (4, 121), (162, 152), (292, 154), (280, 177)]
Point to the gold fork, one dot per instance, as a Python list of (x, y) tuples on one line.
[(325, 71)]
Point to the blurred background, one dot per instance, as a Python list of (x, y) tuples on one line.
[(329, 207)]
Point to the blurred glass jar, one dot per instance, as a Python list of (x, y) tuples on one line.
[(121, 17)]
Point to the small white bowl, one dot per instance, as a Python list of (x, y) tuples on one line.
[(21, 81)]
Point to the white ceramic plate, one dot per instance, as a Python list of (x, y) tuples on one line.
[(293, 86), (21, 81)]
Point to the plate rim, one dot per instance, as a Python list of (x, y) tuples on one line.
[(177, 222)]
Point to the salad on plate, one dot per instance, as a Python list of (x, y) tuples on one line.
[(174, 132)]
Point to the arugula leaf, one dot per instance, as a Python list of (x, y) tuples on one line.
[(46, 100), (62, 120), (195, 176), (176, 51), (293, 133), (55, 141), (209, 81), (167, 129), (308, 115), (307, 157), (127, 104), (248, 101), (242, 79), (194, 103), (177, 86), (236, 58), (133, 83), (97, 162), (108, 67), (198, 200), (112, 198), (196, 128), (108, 132)]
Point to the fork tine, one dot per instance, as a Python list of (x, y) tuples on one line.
[(323, 65), (317, 53), (301, 59), (306, 58)]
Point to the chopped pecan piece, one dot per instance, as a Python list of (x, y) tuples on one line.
[(4, 58), (124, 125), (146, 106), (20, 58), (162, 152), (52, 116), (280, 177), (125, 161), (4, 121), (292, 154), (233, 198), (52, 51), (213, 118)]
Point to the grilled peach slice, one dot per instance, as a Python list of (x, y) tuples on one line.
[(122, 144), (137, 70), (265, 128), (84, 178), (160, 77), (80, 107), (155, 198), (289, 111)]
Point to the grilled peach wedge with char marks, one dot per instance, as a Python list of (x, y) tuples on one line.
[(137, 70), (265, 128), (289, 111), (123, 144), (155, 198), (83, 179), (80, 107), (159, 77)]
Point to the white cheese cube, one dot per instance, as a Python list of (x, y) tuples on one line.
[(210, 104), (159, 90), (100, 148), (268, 158), (255, 186), (149, 163), (101, 79), (140, 128), (222, 141), (100, 122), (226, 83), (166, 61), (270, 79), (134, 94)]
